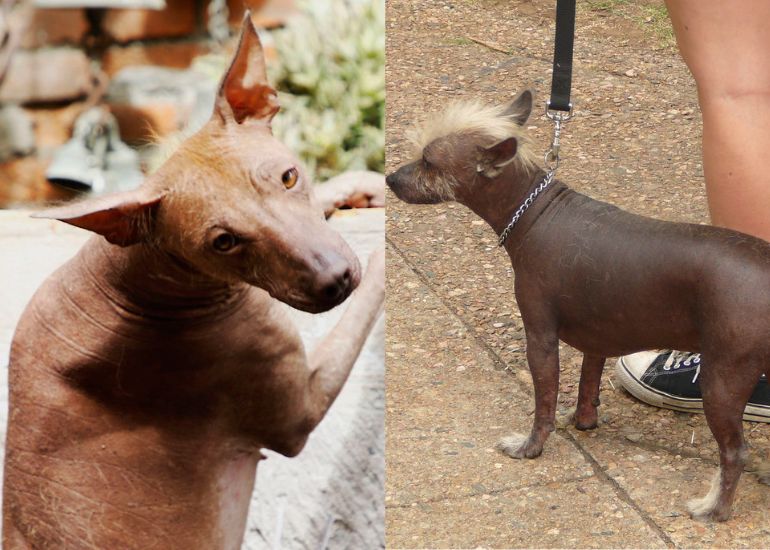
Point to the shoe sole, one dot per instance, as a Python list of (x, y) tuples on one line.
[(657, 398)]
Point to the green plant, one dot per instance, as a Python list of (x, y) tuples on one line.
[(331, 83)]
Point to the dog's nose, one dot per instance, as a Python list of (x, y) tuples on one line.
[(338, 287), (335, 283), (391, 179)]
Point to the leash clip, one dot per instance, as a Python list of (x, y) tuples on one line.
[(559, 118)]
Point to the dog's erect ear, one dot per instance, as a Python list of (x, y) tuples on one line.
[(245, 93), (122, 218), (520, 108), (491, 160)]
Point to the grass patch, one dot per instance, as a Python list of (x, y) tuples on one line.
[(655, 18), (611, 6), (651, 16)]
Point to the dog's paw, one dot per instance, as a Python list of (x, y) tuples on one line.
[(587, 422), (700, 508), (700, 511), (579, 419), (518, 446), (707, 508)]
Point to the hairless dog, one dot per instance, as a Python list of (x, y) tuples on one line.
[(147, 373), (601, 280)]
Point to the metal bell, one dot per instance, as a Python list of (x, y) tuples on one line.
[(95, 159)]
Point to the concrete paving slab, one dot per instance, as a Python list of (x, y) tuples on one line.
[(661, 483), (583, 513)]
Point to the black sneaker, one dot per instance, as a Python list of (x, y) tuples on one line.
[(669, 379)]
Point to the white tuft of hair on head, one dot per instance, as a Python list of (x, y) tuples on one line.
[(474, 117)]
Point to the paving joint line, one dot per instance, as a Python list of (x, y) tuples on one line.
[(470, 328), (498, 491), (598, 470), (620, 491)]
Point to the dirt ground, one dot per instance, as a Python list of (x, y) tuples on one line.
[(456, 372)]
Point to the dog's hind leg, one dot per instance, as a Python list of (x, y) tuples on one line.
[(543, 359), (724, 399), (586, 417)]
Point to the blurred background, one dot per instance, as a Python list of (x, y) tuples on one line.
[(88, 88)]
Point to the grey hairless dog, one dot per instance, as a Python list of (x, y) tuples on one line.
[(602, 280)]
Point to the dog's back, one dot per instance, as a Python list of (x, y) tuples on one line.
[(623, 283)]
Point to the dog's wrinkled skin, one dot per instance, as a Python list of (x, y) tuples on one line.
[(611, 283), (147, 374)]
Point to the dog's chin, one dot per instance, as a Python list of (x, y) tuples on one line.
[(416, 198), (419, 199), (308, 304), (303, 300)]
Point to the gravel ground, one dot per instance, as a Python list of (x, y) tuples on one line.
[(455, 338)]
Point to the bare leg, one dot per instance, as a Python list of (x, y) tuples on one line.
[(332, 360), (543, 359), (727, 48), (586, 417)]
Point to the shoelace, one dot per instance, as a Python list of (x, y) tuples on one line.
[(678, 358)]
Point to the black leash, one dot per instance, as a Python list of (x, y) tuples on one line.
[(559, 107), (562, 56)]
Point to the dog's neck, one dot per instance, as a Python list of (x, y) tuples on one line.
[(147, 280), (496, 201)]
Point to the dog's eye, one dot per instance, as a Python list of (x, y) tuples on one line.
[(289, 178), (224, 242)]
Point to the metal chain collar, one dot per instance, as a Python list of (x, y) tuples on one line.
[(525, 205), (551, 164)]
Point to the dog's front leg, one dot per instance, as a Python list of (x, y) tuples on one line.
[(543, 359), (331, 362)]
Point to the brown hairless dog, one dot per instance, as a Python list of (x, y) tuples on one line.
[(602, 280), (147, 373)]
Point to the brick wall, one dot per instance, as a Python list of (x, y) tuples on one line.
[(52, 73)]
